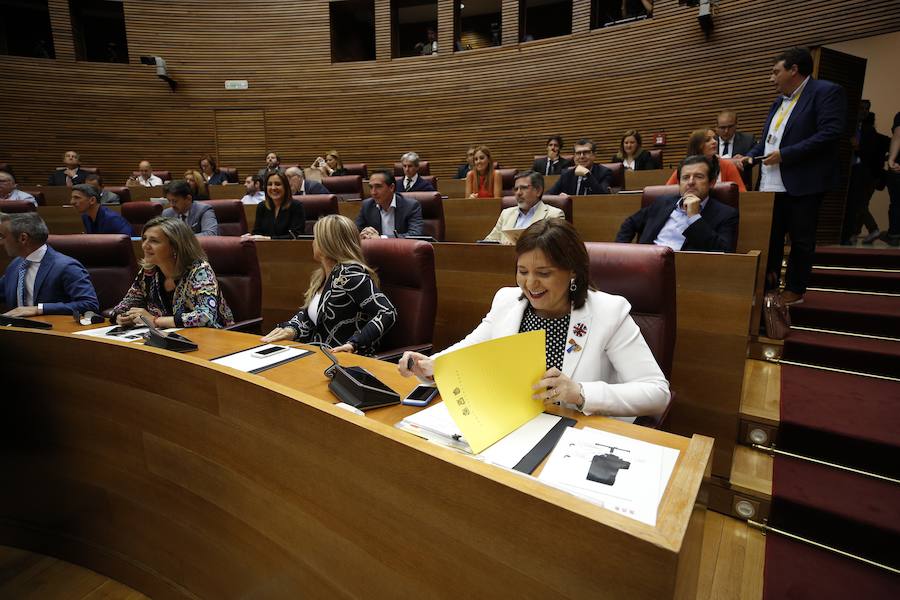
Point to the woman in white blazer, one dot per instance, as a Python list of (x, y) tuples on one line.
[(597, 359)]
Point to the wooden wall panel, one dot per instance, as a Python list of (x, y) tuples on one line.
[(658, 74)]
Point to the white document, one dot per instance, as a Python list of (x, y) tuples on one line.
[(135, 334), (248, 363), (629, 476), (435, 424)]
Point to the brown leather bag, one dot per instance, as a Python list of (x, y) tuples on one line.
[(778, 318)]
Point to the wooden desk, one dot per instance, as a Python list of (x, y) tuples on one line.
[(54, 195), (61, 220), (141, 193), (638, 180), (453, 188), (231, 191), (184, 479)]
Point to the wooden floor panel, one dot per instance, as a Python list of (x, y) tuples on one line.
[(731, 567), (761, 394)]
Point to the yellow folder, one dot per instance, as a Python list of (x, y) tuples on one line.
[(487, 387)]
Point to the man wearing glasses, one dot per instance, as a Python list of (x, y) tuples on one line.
[(734, 144), (585, 178), (529, 209)]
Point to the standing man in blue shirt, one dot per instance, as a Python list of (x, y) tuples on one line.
[(97, 218)]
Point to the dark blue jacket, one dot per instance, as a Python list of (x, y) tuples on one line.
[(407, 217), (107, 221), (715, 231), (62, 285), (313, 188), (595, 182), (419, 186)]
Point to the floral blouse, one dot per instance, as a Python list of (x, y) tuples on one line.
[(196, 301), (352, 309)]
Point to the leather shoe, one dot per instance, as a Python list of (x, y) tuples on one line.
[(790, 298)]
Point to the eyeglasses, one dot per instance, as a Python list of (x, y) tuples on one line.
[(522, 188), (583, 152), (731, 126)]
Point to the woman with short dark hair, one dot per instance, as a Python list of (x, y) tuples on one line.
[(597, 359), (210, 171)]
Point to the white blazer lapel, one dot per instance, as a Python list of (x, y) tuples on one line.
[(576, 338), (509, 322)]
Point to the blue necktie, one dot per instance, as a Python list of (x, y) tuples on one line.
[(20, 284)]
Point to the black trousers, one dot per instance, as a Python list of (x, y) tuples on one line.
[(798, 217)]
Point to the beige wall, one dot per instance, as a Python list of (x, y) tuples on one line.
[(882, 87)]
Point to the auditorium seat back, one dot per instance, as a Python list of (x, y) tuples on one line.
[(643, 274), (138, 213), (563, 203), (424, 168), (725, 192), (108, 258), (346, 187), (83, 168), (509, 180), (123, 192), (432, 212), (230, 215), (164, 175), (17, 206), (618, 175), (360, 169), (406, 272), (237, 270), (657, 156), (316, 206), (231, 174)]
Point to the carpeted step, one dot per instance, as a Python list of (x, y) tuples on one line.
[(863, 355), (859, 280), (873, 258), (852, 313)]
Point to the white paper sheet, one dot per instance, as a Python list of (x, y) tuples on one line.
[(136, 334), (246, 362), (641, 469)]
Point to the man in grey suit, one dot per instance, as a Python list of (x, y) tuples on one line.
[(733, 143), (387, 213), (201, 218)]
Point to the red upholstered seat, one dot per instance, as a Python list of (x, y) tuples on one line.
[(406, 272), (509, 180), (123, 192), (346, 187), (618, 175), (316, 206), (164, 175), (230, 215), (424, 169), (231, 174), (432, 212), (563, 203), (138, 213), (644, 275), (360, 169), (17, 206), (108, 258), (237, 270), (657, 155), (725, 192)]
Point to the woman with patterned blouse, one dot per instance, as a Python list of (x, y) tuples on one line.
[(597, 359), (176, 286), (343, 307)]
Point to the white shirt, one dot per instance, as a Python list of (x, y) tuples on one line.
[(770, 176), (672, 233), (312, 311), (628, 163), (34, 264), (524, 218), (254, 199), (722, 152), (18, 194), (151, 181), (387, 218)]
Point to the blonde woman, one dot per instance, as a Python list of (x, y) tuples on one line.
[(483, 181), (343, 306), (176, 286), (331, 165), (199, 188)]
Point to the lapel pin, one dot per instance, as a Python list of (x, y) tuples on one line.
[(580, 329), (574, 347)]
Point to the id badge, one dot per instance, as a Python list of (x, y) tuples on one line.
[(772, 139)]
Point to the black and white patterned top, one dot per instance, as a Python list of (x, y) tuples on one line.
[(556, 330)]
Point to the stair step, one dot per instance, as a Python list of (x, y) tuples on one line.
[(853, 313), (874, 258), (751, 472), (844, 352), (850, 279)]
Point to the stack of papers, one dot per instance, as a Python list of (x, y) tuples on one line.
[(115, 332), (621, 474), (251, 361)]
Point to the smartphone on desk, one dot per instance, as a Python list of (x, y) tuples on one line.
[(421, 395), (265, 352)]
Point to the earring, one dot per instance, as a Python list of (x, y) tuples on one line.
[(572, 286)]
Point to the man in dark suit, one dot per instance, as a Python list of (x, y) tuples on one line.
[(799, 157), (273, 165), (200, 217), (301, 186), (73, 174), (585, 178), (411, 181), (387, 213), (734, 144), (553, 163), (463, 170), (95, 217), (40, 280), (690, 221)]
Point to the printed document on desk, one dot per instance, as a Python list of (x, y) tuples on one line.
[(249, 361), (487, 387), (115, 332), (621, 474), (435, 424)]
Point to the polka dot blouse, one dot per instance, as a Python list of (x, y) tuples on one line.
[(556, 330)]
